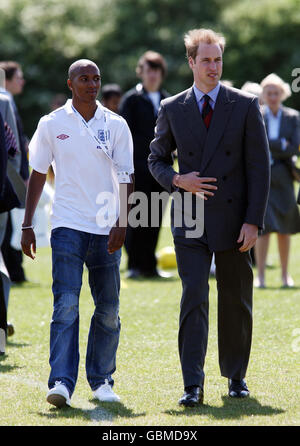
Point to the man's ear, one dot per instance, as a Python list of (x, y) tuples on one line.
[(191, 62), (69, 82)]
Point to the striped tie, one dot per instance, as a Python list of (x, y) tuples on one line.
[(207, 111)]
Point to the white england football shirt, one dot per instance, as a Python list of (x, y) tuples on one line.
[(86, 182)]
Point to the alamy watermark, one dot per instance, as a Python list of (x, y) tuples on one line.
[(147, 210), (296, 82)]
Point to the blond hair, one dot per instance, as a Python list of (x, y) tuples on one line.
[(193, 38), (252, 87), (273, 79)]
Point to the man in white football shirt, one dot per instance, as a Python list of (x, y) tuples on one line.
[(90, 149)]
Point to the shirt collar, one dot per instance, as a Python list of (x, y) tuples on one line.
[(10, 97), (269, 113), (213, 94), (98, 114)]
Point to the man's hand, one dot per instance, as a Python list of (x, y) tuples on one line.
[(116, 239), (191, 182), (248, 236), (28, 241)]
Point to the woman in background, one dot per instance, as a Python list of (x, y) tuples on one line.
[(282, 214)]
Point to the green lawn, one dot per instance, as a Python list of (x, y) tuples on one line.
[(148, 377)]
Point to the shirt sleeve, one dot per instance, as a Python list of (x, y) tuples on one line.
[(123, 152), (40, 150)]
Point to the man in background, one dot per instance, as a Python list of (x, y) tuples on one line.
[(14, 83), (111, 97), (139, 107)]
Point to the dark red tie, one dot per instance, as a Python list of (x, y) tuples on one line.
[(207, 111)]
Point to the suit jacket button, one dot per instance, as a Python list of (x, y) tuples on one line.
[(228, 152), (191, 153), (229, 200), (224, 178)]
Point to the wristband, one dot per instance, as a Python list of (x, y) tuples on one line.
[(27, 227)]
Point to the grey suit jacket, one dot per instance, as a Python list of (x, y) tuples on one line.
[(290, 130), (14, 164), (282, 195), (234, 150), (8, 116)]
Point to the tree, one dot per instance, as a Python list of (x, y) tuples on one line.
[(262, 37), (47, 36)]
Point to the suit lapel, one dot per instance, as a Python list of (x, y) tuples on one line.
[(193, 118), (217, 126), (264, 114)]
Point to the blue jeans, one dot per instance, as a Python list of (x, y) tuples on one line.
[(70, 250)]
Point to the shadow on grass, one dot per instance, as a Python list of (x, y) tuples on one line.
[(151, 279), (101, 412), (117, 409), (27, 285), (231, 409), (4, 368), (17, 344)]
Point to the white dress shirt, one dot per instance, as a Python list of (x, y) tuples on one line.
[(213, 94)]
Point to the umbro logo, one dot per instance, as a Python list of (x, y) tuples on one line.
[(62, 136)]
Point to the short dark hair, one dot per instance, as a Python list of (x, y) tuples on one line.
[(10, 67), (78, 64), (109, 90), (154, 60)]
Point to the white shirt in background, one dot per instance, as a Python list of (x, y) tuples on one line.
[(155, 98)]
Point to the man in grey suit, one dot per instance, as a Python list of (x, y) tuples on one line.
[(223, 155), (8, 116)]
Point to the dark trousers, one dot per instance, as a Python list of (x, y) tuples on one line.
[(3, 311), (141, 242), (235, 286), (140, 245), (13, 258)]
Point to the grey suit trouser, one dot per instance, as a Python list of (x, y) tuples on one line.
[(235, 287), (4, 277)]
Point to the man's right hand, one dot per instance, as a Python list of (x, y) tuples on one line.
[(28, 241), (192, 182)]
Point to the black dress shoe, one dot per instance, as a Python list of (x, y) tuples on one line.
[(238, 388), (10, 329), (192, 396)]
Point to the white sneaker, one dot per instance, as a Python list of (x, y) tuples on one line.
[(59, 395), (106, 393)]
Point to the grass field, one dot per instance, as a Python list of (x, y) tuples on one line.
[(148, 377)]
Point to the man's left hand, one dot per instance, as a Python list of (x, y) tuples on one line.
[(248, 236), (116, 239)]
